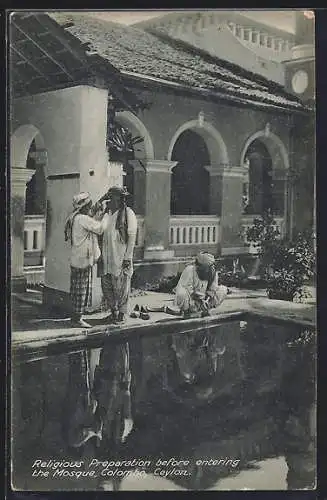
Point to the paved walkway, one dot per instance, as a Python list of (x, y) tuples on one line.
[(30, 321)]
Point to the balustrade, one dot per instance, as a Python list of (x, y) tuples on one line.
[(34, 240), (247, 222), (194, 230)]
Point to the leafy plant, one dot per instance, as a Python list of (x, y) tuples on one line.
[(120, 141), (287, 264), (231, 277), (264, 235)]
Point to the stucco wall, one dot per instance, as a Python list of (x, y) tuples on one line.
[(170, 111), (73, 125)]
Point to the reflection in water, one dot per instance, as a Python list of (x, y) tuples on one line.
[(229, 402)]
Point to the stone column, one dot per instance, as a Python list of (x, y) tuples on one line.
[(282, 189), (226, 184), (77, 161), (157, 209), (19, 178), (116, 173), (139, 185)]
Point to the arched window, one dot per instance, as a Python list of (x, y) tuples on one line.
[(190, 180)]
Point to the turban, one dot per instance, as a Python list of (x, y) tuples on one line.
[(204, 258)]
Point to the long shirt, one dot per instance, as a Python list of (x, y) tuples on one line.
[(114, 250), (85, 249)]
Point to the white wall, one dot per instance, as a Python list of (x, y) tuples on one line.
[(73, 124)]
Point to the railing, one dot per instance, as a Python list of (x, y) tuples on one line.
[(194, 230), (259, 38), (34, 240), (247, 221)]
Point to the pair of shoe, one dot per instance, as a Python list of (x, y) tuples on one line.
[(140, 312), (80, 323)]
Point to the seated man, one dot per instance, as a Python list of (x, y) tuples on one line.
[(196, 292), (198, 289)]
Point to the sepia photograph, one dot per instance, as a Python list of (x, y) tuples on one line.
[(163, 250)]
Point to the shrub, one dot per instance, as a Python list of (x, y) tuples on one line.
[(287, 263), (231, 277)]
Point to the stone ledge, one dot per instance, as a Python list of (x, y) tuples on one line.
[(33, 345)]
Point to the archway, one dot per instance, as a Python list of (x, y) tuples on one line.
[(190, 182), (198, 147), (20, 144), (145, 149), (267, 163), (141, 151), (35, 203), (213, 139), (259, 194), (29, 154)]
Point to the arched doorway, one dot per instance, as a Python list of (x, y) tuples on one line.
[(190, 182), (35, 206), (132, 143), (267, 162), (28, 162), (259, 192), (199, 148), (35, 203)]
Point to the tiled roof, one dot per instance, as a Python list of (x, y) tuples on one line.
[(141, 53)]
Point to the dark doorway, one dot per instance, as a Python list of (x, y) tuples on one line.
[(260, 179), (35, 203), (190, 182)]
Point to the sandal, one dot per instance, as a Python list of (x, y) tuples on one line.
[(144, 314), (135, 313)]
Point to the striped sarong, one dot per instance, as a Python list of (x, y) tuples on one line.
[(80, 289), (116, 291)]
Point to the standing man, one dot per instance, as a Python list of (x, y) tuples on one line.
[(81, 231), (117, 253)]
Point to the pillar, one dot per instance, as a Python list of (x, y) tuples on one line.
[(19, 178), (139, 185), (226, 184), (77, 161), (282, 194), (157, 209), (116, 173)]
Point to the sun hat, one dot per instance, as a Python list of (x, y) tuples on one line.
[(80, 200), (118, 190)]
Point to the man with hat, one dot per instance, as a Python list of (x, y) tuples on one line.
[(117, 248), (81, 231)]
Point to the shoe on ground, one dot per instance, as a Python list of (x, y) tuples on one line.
[(144, 314)]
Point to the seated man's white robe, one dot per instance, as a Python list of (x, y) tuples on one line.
[(189, 283)]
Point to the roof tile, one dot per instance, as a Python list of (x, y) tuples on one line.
[(136, 51)]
